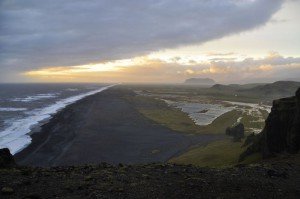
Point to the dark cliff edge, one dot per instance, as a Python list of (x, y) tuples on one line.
[(282, 130), (6, 159)]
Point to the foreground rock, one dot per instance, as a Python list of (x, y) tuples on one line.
[(6, 159), (282, 129), (269, 180), (7, 191), (151, 181)]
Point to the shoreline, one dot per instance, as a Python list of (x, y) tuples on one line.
[(16, 136), (104, 127)]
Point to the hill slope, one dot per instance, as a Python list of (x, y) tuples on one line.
[(263, 92), (276, 90)]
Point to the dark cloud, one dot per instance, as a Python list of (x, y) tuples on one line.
[(35, 33)]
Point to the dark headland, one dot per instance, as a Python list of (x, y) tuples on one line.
[(104, 127)]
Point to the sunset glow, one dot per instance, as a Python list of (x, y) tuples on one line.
[(152, 69)]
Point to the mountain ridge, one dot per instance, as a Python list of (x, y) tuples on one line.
[(200, 81)]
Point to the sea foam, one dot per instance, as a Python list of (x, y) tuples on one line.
[(35, 97), (16, 137), (9, 109)]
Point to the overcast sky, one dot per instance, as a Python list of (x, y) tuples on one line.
[(149, 40)]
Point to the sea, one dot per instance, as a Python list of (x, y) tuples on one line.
[(24, 107)]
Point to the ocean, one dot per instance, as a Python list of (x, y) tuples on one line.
[(26, 106)]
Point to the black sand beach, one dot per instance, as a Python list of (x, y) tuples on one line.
[(105, 127)]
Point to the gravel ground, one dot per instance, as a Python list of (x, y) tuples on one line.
[(279, 180)]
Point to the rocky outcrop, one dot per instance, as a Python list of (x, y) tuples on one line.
[(282, 129), (237, 132), (6, 159)]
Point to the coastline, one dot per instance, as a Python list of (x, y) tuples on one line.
[(104, 127), (16, 136)]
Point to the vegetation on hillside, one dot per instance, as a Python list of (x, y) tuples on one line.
[(223, 153)]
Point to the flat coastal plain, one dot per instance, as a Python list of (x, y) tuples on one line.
[(105, 127)]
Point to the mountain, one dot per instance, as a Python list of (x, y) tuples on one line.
[(292, 79), (275, 90), (222, 87), (235, 87), (200, 81), (264, 92), (282, 129)]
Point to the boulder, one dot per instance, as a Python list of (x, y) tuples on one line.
[(6, 159), (7, 190)]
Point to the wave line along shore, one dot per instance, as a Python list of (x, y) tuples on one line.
[(16, 137)]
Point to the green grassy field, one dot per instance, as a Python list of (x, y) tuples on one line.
[(223, 153), (194, 90), (173, 118)]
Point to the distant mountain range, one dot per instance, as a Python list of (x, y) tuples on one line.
[(273, 90), (236, 87), (282, 87), (200, 81)]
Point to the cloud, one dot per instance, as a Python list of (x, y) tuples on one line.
[(145, 69), (217, 54), (273, 66), (37, 33)]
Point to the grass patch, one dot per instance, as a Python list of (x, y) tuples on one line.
[(217, 154), (219, 125), (192, 91), (252, 158), (172, 118), (223, 153)]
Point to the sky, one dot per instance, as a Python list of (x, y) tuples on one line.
[(149, 41)]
